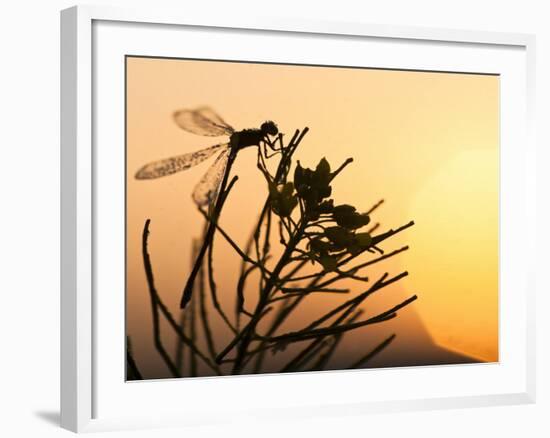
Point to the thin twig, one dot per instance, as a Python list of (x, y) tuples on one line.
[(375, 206), (249, 330), (155, 312), (280, 316), (373, 228), (156, 299), (240, 289), (235, 246), (324, 358), (288, 295), (180, 346), (354, 302), (325, 331), (363, 360), (213, 288), (316, 282), (364, 265), (204, 315), (216, 210), (131, 364), (288, 290), (193, 334), (342, 166), (291, 365), (377, 239)]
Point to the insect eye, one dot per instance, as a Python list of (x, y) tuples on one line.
[(270, 128)]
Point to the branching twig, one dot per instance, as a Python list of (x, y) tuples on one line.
[(319, 231), (325, 331)]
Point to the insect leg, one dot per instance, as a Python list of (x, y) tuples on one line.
[(280, 140), (272, 145), (261, 163), (267, 155), (267, 141)]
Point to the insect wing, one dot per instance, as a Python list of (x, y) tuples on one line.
[(206, 191), (169, 166), (202, 121)]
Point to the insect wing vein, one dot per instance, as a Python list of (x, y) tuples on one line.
[(206, 191), (169, 166), (202, 121)]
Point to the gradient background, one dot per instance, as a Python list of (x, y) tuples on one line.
[(425, 142)]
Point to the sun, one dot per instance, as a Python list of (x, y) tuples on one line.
[(455, 243)]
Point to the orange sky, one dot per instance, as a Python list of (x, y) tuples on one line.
[(425, 142)]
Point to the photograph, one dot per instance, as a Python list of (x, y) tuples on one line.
[(285, 218)]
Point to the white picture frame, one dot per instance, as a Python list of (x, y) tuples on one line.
[(87, 377)]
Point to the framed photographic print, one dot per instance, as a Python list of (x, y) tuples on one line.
[(280, 217)]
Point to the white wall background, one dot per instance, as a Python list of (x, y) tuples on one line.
[(29, 218)]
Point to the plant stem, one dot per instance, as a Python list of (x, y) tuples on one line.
[(155, 314), (375, 206), (325, 331), (282, 167), (180, 345), (188, 289), (193, 334), (264, 298), (354, 302), (325, 357), (162, 307), (204, 315), (131, 363), (362, 361)]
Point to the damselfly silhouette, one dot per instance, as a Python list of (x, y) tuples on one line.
[(204, 121)]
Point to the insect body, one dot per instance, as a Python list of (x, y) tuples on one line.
[(252, 137), (204, 121)]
